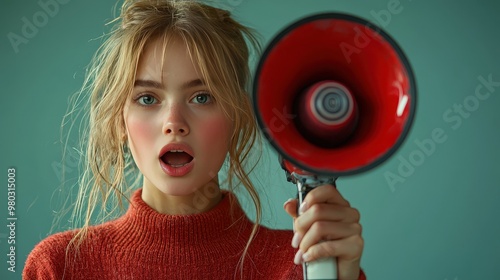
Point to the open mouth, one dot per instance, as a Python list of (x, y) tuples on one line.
[(176, 158)]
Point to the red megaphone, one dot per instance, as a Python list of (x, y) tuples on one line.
[(334, 95)]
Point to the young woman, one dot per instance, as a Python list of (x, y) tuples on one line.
[(167, 95)]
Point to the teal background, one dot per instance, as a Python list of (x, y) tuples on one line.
[(440, 221)]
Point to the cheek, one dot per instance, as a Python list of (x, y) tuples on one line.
[(140, 133), (217, 132)]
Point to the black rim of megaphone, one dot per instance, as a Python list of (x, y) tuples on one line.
[(397, 49)]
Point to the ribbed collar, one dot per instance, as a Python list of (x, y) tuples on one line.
[(143, 223)]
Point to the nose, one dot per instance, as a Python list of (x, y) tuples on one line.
[(175, 123)]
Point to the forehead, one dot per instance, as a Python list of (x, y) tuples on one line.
[(167, 62)]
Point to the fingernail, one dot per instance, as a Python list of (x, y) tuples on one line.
[(298, 257), (302, 208), (286, 202), (306, 257), (296, 240)]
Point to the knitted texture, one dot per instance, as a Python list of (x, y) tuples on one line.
[(144, 244)]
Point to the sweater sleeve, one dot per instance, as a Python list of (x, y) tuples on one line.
[(46, 261), (39, 267)]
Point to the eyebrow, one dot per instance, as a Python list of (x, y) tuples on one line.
[(147, 84), (193, 83), (158, 85)]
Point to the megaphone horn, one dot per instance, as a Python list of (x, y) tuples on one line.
[(351, 110)]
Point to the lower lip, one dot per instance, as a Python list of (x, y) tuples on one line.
[(176, 171)]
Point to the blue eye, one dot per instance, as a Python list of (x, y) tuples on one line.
[(203, 98), (146, 100)]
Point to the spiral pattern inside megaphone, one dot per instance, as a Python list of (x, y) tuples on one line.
[(327, 113), (332, 104)]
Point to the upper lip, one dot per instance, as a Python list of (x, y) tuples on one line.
[(176, 147)]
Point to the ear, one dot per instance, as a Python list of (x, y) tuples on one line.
[(123, 131), (124, 138)]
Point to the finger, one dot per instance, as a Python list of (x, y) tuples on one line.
[(290, 207), (322, 231), (346, 250), (326, 212), (323, 194)]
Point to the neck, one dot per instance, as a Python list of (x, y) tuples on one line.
[(202, 200)]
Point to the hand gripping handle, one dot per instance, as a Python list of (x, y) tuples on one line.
[(325, 268)]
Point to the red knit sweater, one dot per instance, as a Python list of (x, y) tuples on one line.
[(144, 244)]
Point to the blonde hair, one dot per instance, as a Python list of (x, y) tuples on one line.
[(220, 47)]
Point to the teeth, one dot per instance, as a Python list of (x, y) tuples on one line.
[(176, 151)]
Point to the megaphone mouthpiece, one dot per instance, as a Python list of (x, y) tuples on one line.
[(327, 113)]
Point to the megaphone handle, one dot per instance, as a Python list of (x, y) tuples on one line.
[(321, 269)]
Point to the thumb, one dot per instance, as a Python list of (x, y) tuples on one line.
[(290, 207)]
